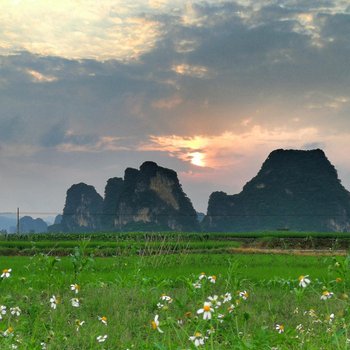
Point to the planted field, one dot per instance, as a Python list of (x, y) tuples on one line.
[(165, 302), (138, 243)]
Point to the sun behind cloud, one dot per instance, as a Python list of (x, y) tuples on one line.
[(197, 158)]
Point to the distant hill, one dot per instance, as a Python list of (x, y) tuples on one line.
[(148, 199), (294, 190), (7, 222), (29, 225)]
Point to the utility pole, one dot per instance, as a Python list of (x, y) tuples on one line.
[(18, 221)]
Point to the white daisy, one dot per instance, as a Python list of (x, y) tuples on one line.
[(326, 295), (16, 311), (6, 273), (279, 328), (102, 338), (75, 302), (75, 288), (197, 339), (155, 324), (206, 311), (53, 302), (304, 281)]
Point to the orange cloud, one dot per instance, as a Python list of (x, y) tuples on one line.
[(226, 149)]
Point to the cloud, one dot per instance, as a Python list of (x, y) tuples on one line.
[(206, 88), (192, 71), (224, 150), (76, 30), (38, 77), (90, 144)]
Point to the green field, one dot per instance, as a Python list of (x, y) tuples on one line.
[(140, 243), (127, 288)]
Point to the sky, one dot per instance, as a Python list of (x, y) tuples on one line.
[(206, 88)]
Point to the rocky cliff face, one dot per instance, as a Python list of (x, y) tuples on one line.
[(296, 190), (148, 199), (82, 211)]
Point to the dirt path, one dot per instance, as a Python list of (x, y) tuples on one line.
[(306, 252)]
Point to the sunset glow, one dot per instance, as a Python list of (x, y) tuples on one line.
[(205, 88), (197, 158)]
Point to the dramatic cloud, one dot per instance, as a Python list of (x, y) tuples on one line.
[(208, 88)]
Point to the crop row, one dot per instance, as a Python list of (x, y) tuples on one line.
[(175, 236), (99, 248)]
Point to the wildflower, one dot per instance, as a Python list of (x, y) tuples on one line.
[(2, 311), (9, 331), (279, 328), (6, 273), (166, 298), (16, 311), (155, 324), (75, 302), (202, 275), (244, 295), (226, 297), (212, 279), (160, 305), (75, 288), (43, 346), (215, 301), (300, 328), (197, 285), (102, 338), (326, 295), (211, 330), (54, 301), (330, 318), (78, 324), (231, 308), (311, 313), (103, 319), (206, 311), (304, 281), (197, 339), (220, 317)]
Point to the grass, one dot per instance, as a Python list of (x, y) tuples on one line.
[(126, 289), (136, 243)]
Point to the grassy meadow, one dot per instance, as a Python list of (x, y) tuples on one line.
[(158, 297)]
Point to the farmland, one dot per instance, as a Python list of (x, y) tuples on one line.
[(146, 292)]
